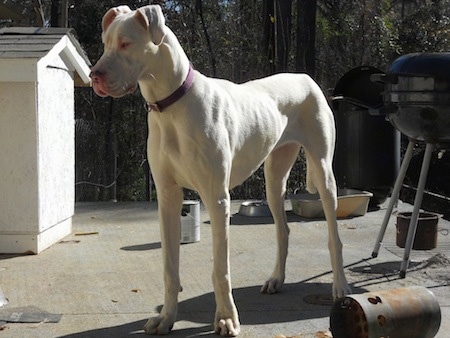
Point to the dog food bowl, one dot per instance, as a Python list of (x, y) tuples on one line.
[(351, 203), (255, 208)]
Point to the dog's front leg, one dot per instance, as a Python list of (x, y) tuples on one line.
[(226, 321), (170, 200)]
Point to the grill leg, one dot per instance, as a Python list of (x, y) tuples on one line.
[(417, 203), (394, 195)]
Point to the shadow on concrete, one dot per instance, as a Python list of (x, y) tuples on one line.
[(238, 219), (254, 309), (11, 256), (135, 329), (142, 247)]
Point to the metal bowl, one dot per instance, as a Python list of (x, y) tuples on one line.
[(255, 208)]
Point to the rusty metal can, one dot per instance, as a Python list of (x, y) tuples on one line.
[(426, 233), (411, 312)]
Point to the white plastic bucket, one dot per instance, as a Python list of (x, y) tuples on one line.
[(190, 222)]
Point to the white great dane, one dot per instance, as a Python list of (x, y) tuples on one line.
[(210, 135)]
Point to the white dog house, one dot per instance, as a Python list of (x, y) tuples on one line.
[(38, 67)]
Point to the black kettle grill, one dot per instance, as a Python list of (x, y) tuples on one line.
[(416, 100), (417, 96)]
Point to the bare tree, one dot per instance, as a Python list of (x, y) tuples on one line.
[(39, 12), (277, 33), (306, 36)]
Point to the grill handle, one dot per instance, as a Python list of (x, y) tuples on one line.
[(383, 110), (384, 78), (375, 111), (351, 100)]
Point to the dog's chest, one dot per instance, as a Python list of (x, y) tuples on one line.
[(174, 152), (227, 143)]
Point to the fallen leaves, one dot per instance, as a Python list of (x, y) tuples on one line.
[(88, 233), (135, 290), (73, 241)]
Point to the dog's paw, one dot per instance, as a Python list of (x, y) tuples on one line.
[(229, 327), (341, 289), (160, 325), (273, 285)]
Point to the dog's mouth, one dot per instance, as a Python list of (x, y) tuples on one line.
[(99, 92), (104, 91)]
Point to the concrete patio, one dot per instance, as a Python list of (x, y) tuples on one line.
[(105, 279)]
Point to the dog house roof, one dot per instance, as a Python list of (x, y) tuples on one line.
[(37, 42)]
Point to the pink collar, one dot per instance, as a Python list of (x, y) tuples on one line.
[(159, 106)]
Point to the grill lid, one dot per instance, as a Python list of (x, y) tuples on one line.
[(435, 65), (356, 87)]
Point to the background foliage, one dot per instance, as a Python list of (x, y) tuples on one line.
[(238, 40)]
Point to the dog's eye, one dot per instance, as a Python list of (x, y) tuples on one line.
[(124, 45)]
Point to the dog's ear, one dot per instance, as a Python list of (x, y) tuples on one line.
[(152, 18), (110, 15)]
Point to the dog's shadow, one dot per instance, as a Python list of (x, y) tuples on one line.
[(296, 302)]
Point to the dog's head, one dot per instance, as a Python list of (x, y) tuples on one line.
[(129, 37)]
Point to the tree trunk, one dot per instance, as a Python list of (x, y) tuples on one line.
[(40, 19), (199, 9), (306, 36), (54, 13), (277, 33)]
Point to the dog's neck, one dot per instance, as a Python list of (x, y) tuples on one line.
[(160, 84), (161, 105)]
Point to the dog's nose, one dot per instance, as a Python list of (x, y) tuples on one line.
[(95, 75)]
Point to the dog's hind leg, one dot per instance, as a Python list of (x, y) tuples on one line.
[(276, 169), (322, 177), (170, 200)]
